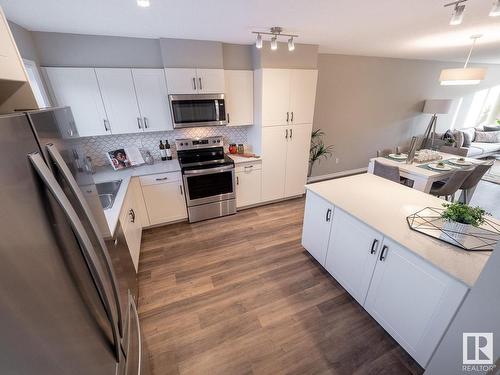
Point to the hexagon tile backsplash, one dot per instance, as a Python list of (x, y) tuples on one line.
[(96, 147)]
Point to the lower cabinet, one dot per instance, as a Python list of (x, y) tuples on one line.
[(412, 299), (164, 197), (131, 221), (248, 184)]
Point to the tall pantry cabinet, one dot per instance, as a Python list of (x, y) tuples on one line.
[(284, 110)]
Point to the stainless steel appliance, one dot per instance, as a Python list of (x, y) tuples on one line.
[(65, 310), (208, 177), (197, 110)]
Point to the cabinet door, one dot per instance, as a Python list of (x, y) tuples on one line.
[(318, 216), (352, 254), (78, 89), (152, 96), (239, 97), (275, 96), (181, 81), (248, 186), (165, 202), (274, 149), (120, 101), (210, 81), (412, 300), (11, 67), (297, 159), (302, 95)]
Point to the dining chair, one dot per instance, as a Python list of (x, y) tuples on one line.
[(459, 151), (403, 149), (449, 187), (470, 183), (384, 152), (389, 172)]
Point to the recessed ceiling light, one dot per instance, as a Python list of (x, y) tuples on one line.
[(143, 3), (495, 10)]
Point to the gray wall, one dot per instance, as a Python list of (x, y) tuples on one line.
[(479, 313), (183, 53), (368, 103), (58, 49), (237, 56), (24, 41)]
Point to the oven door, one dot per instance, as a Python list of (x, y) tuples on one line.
[(197, 110), (209, 185)]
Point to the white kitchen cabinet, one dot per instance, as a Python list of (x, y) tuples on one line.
[(288, 96), (194, 81), (297, 159), (239, 97), (316, 228), (412, 300), (352, 254), (210, 81), (11, 67), (130, 218), (152, 97), (248, 184), (274, 148), (78, 89), (120, 101), (164, 197)]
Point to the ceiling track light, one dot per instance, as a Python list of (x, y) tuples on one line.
[(458, 12), (143, 3), (495, 9), (275, 32)]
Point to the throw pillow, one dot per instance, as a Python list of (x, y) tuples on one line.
[(467, 139), (488, 137), (459, 138), (471, 132), (491, 128)]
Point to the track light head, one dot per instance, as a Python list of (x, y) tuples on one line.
[(274, 43), (258, 42), (458, 14), (143, 3), (291, 44)]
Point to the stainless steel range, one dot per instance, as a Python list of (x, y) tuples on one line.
[(208, 177)]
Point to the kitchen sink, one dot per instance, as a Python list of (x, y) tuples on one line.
[(107, 193)]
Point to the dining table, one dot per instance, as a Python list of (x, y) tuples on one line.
[(420, 173)]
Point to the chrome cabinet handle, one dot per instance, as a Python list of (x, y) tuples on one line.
[(58, 161), (237, 180), (248, 166), (199, 80), (70, 132), (383, 253), (291, 133), (161, 178), (286, 135), (146, 122), (291, 119), (86, 246), (328, 214), (373, 249), (228, 120), (287, 117), (194, 83), (182, 191), (139, 123), (131, 213), (106, 127)]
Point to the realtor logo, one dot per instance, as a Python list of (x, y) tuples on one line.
[(477, 348)]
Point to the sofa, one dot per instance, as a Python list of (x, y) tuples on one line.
[(479, 142)]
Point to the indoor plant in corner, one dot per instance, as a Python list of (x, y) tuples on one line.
[(459, 218), (318, 149)]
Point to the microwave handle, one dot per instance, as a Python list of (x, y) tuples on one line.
[(217, 113)]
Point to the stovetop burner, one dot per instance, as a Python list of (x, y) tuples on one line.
[(201, 153)]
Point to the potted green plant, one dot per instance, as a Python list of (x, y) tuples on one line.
[(318, 150), (459, 218)]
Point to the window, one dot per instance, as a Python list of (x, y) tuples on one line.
[(36, 84), (485, 107)]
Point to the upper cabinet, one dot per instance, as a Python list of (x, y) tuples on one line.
[(78, 88), (287, 96), (239, 97), (112, 100), (11, 67), (194, 81), (152, 97)]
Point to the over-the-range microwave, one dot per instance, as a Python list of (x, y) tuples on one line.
[(196, 110)]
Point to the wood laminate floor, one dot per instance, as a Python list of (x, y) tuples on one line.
[(239, 295)]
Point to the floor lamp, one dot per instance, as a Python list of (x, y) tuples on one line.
[(435, 107)]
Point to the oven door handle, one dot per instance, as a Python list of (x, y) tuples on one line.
[(209, 170)]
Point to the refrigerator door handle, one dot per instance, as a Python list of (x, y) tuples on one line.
[(58, 160), (87, 249)]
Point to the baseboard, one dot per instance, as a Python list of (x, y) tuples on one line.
[(331, 176)]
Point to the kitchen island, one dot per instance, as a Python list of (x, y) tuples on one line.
[(356, 228)]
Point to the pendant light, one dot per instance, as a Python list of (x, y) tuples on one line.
[(465, 75)]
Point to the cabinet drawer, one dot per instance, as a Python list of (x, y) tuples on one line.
[(160, 178), (248, 167)]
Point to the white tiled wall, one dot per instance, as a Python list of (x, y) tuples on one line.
[(96, 147)]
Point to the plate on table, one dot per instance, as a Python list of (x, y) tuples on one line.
[(398, 156), (438, 167), (460, 162)]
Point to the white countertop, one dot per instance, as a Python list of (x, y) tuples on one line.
[(241, 159), (105, 174), (384, 206)]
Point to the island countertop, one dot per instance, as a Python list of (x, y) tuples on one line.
[(384, 206)]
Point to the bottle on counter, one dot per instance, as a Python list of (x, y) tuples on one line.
[(168, 150), (163, 153)]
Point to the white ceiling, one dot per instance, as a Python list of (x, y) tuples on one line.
[(388, 28)]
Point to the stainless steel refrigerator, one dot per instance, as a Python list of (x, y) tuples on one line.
[(64, 309)]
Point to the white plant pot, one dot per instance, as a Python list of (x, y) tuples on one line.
[(455, 230)]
